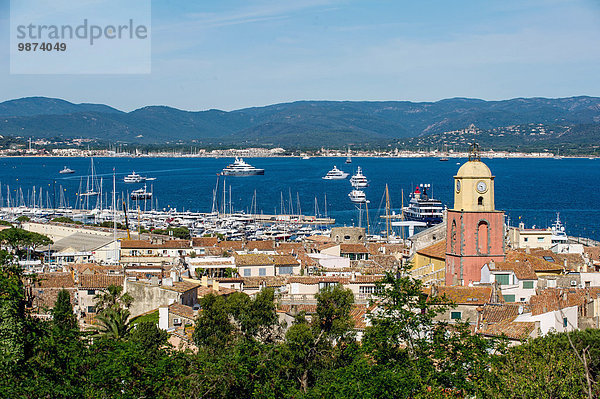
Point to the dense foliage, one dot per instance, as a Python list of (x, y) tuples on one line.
[(244, 351)]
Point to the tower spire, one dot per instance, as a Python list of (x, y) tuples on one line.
[(474, 152)]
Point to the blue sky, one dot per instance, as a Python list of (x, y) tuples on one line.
[(234, 54)]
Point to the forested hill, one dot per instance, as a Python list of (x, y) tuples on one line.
[(297, 124)]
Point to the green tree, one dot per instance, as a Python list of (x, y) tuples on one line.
[(213, 327), (63, 318), (112, 298), (113, 323), (23, 218)]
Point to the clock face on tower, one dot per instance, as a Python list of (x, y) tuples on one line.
[(481, 186), (458, 186)]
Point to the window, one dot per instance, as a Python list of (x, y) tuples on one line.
[(91, 292), (551, 283), (91, 309), (522, 299), (482, 237), (540, 239), (526, 239), (366, 289), (573, 283), (286, 269), (149, 252), (325, 285), (247, 272), (455, 315), (549, 258), (509, 298), (176, 321), (262, 271), (587, 284), (527, 285), (565, 322), (502, 279)]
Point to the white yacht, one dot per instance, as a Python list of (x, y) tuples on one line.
[(559, 235), (141, 194), (241, 168), (358, 196), (66, 171), (358, 180), (335, 174), (135, 178)]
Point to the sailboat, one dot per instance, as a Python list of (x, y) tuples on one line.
[(348, 158)]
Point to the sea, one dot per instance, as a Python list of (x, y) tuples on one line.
[(529, 190)]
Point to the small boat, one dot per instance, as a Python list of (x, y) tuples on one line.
[(444, 159), (335, 174), (135, 178), (140, 194), (358, 196), (348, 158), (241, 168), (66, 171), (306, 157), (358, 180)]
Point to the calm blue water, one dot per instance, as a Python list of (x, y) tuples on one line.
[(534, 189)]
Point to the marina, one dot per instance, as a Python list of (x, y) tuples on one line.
[(294, 186)]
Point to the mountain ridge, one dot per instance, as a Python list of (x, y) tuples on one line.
[(303, 123)]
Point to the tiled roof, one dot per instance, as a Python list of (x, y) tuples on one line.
[(319, 238), (253, 260), (523, 270), (592, 252), (512, 330), (182, 310), (552, 299), (437, 250), (55, 280), (573, 260), (466, 295), (96, 268), (375, 248), (353, 249), (233, 245), (147, 244), (538, 264), (181, 286), (99, 281), (497, 312), (203, 291), (265, 245), (288, 247), (284, 260), (204, 241)]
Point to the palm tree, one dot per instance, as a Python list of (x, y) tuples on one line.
[(112, 323), (112, 299)]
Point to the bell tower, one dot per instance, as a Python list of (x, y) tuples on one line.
[(475, 229)]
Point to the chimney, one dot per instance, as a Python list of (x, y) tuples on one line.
[(205, 281), (478, 326), (215, 286), (353, 276)]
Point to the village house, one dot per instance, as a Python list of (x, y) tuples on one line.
[(429, 264), (466, 301), (154, 252), (517, 279), (150, 295), (88, 287)]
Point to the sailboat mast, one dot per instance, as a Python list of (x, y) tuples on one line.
[(387, 212)]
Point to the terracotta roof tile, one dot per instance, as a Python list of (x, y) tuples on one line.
[(512, 330), (523, 270), (99, 281), (204, 241), (232, 245), (253, 260), (353, 249), (437, 250), (466, 295), (552, 299), (265, 245), (182, 310), (285, 260), (55, 280), (538, 264), (497, 312)]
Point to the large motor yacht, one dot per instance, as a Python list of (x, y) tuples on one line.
[(359, 180), (358, 196), (135, 178), (141, 194), (422, 208), (335, 174), (241, 168)]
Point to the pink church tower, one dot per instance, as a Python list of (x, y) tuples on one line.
[(475, 229)]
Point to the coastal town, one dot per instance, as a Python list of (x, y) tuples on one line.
[(508, 282)]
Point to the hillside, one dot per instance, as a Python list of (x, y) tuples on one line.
[(303, 123)]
